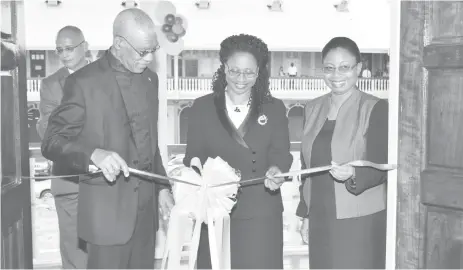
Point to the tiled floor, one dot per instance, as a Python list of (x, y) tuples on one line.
[(46, 240), (45, 231)]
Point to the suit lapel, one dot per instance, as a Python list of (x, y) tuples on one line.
[(249, 121), (109, 85), (150, 84), (64, 73), (219, 102)]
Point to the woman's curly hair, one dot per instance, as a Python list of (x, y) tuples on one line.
[(260, 92)]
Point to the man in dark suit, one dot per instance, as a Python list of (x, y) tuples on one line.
[(108, 118), (71, 48)]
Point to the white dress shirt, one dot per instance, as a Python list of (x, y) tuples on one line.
[(237, 113)]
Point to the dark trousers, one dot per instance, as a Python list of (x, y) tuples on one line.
[(72, 249), (255, 243), (138, 252)]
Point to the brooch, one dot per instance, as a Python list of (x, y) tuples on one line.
[(262, 120)]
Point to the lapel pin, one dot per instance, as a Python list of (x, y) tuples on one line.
[(262, 120), (149, 78)]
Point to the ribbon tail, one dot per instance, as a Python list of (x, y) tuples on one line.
[(173, 253), (213, 241), (194, 245), (226, 254)]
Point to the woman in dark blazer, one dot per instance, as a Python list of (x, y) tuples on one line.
[(244, 125), (346, 206)]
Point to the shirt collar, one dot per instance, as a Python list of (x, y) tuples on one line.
[(72, 71), (115, 64)]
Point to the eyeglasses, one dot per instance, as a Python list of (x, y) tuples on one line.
[(144, 52), (235, 73), (68, 49), (342, 69)]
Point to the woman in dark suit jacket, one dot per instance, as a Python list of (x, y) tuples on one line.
[(244, 125)]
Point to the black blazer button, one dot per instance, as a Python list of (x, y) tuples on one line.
[(253, 161), (253, 170), (253, 152)]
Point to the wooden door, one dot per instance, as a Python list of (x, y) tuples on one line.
[(16, 240), (430, 178)]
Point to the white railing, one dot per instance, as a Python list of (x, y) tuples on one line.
[(283, 88), (286, 88), (33, 89)]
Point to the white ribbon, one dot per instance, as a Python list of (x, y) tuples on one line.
[(355, 163), (209, 199), (202, 203)]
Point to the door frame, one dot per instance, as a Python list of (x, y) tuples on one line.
[(393, 98)]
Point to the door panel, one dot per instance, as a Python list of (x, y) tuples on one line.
[(16, 240), (436, 75)]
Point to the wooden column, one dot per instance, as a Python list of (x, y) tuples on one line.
[(410, 212)]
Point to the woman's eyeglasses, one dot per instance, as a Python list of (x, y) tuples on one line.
[(247, 74), (144, 52), (342, 69), (68, 49)]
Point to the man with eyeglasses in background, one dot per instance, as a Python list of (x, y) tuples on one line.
[(108, 119), (71, 49)]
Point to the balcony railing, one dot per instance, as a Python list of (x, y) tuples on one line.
[(283, 88)]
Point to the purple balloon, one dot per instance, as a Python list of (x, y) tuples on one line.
[(172, 37), (178, 20), (166, 28), (170, 19)]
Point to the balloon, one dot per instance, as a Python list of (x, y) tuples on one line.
[(170, 19), (184, 21), (177, 29), (166, 28), (182, 33), (172, 37), (162, 9), (171, 48)]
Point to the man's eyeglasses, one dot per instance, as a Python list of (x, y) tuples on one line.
[(342, 69), (68, 49), (144, 52), (247, 74)]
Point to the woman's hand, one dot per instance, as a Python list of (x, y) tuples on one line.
[(272, 182), (342, 172), (305, 230)]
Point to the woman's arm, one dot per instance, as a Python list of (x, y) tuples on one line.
[(376, 151), (279, 153)]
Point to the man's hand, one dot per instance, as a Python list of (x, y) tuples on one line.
[(92, 168), (166, 203), (110, 163), (272, 182)]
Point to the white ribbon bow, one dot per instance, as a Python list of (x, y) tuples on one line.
[(198, 203)]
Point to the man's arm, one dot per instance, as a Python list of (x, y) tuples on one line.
[(49, 100), (61, 141)]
